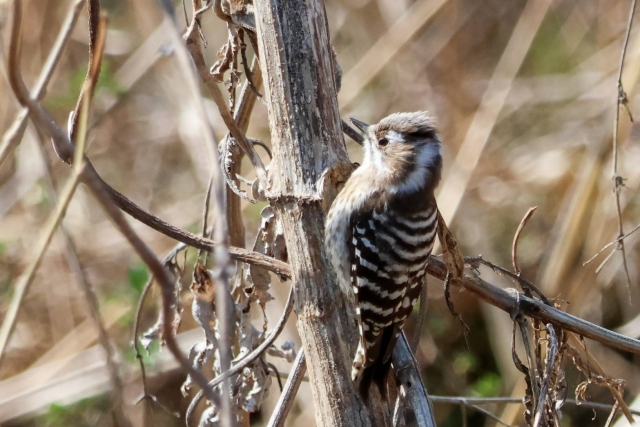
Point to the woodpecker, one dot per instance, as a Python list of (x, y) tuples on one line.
[(379, 234)]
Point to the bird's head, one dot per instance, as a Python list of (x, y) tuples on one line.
[(404, 150)]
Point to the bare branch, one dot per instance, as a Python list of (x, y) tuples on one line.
[(148, 398), (618, 181), (193, 46), (474, 401), (413, 401), (285, 402), (611, 244)]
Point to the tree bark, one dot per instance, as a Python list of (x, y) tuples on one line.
[(296, 59)]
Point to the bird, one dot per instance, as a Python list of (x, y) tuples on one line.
[(379, 233)]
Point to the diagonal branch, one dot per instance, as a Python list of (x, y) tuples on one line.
[(193, 47), (285, 402)]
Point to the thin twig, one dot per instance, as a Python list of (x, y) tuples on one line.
[(621, 99), (245, 66), (285, 402), (452, 309), (96, 46), (517, 401), (136, 347), (146, 396), (193, 46), (221, 260), (530, 372), (249, 358), (552, 351), (205, 216), (13, 135), (606, 260), (611, 244), (612, 414), (73, 261), (516, 237), (521, 281)]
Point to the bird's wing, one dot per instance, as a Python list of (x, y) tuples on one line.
[(370, 282)]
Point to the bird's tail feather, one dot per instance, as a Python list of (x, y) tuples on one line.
[(375, 374), (378, 372)]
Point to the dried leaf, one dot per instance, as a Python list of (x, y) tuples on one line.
[(199, 355), (254, 387), (249, 337), (452, 257), (270, 242), (287, 351), (331, 182), (230, 153), (236, 6), (225, 55), (203, 306), (241, 13)]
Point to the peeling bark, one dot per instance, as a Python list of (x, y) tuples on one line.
[(306, 135)]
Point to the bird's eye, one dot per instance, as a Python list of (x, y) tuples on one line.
[(382, 142)]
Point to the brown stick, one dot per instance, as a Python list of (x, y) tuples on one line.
[(516, 237)]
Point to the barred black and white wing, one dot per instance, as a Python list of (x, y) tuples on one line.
[(390, 251)]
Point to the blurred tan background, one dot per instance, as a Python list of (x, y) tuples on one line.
[(524, 93)]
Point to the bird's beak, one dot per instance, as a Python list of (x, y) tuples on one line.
[(360, 125)]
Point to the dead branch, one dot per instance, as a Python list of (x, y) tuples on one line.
[(195, 51), (13, 135), (42, 118), (413, 406), (618, 181), (147, 397), (287, 397)]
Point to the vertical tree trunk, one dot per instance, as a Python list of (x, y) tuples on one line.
[(295, 56)]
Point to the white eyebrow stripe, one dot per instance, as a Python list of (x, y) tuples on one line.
[(394, 136)]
